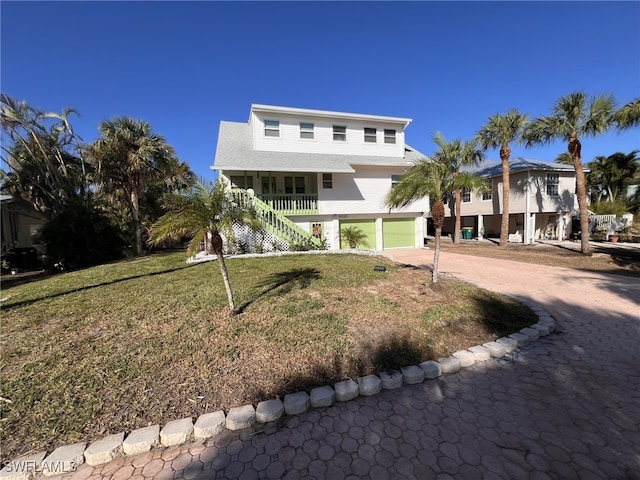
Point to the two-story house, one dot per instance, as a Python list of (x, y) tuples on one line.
[(541, 202), (312, 173)]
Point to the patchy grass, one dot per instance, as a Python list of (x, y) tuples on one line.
[(144, 341)]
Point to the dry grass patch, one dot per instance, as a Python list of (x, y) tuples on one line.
[(121, 346)]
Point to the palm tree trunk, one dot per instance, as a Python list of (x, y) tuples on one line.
[(458, 223), (581, 191), (135, 215), (216, 243), (505, 153), (436, 256)]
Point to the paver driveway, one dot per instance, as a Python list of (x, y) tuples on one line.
[(565, 407)]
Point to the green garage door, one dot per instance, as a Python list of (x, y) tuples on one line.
[(399, 232), (368, 227)]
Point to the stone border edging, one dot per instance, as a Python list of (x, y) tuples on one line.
[(67, 458)]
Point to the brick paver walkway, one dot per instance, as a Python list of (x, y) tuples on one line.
[(566, 407)]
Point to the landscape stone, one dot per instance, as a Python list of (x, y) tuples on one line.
[(296, 403), (23, 468), (323, 396), (269, 410), (449, 364), (480, 354), (496, 349), (509, 344), (542, 328), (391, 380), (412, 374), (104, 450), (176, 432), (346, 390), (141, 440), (521, 339), (431, 369), (369, 385), (466, 358), (240, 417), (532, 333), (209, 424), (64, 460)]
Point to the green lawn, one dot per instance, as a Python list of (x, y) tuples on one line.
[(115, 347)]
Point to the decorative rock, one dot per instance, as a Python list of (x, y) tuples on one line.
[(543, 329), (141, 440), (466, 358), (104, 450), (296, 403), (176, 432), (240, 417), (532, 333), (521, 339), (269, 410), (64, 460), (323, 396), (346, 390), (412, 374), (480, 354), (508, 343), (369, 385), (449, 364), (391, 380), (209, 424), (23, 468), (550, 323), (496, 349), (431, 369)]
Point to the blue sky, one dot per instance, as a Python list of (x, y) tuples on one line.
[(185, 66)]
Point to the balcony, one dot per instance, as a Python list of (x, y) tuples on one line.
[(291, 203)]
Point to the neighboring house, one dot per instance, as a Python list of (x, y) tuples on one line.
[(20, 222), (310, 173), (542, 201)]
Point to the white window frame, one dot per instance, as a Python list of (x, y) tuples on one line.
[(327, 180), (488, 195), (339, 133), (466, 195), (553, 184), (389, 135), (370, 135), (307, 131), (272, 128)]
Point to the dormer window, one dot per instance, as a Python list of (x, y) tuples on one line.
[(369, 135), (389, 136), (339, 133), (271, 128), (306, 131)]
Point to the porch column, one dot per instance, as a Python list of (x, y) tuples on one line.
[(379, 236), (480, 227), (527, 211), (532, 225), (335, 234)]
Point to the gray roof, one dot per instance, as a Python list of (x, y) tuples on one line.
[(518, 164), (235, 152)]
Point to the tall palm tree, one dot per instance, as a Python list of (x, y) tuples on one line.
[(574, 116), (611, 175), (628, 115), (500, 131), (203, 213), (458, 154), (128, 155), (431, 178)]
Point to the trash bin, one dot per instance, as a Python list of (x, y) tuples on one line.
[(467, 233)]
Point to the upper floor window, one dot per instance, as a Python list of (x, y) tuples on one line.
[(394, 180), (327, 180), (369, 135), (466, 195), (488, 194), (241, 181), (294, 185), (306, 130), (389, 136), (271, 128), (553, 182), (340, 133)]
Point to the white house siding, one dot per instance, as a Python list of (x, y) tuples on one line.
[(290, 141)]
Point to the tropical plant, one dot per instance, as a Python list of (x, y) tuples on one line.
[(204, 213), (610, 176), (458, 155), (128, 157), (574, 116), (500, 131), (628, 115), (432, 178), (354, 237)]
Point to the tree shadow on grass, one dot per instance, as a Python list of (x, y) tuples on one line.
[(285, 281)]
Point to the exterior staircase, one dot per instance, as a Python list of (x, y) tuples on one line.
[(274, 221)]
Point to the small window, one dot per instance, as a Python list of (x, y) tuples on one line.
[(294, 185), (370, 135), (271, 128), (553, 181), (389, 136), (316, 230), (327, 180), (339, 133), (306, 131), (466, 195), (240, 181), (488, 195), (394, 180)]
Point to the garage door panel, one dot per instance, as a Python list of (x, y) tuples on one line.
[(368, 226), (398, 232)]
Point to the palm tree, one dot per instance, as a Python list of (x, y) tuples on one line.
[(128, 156), (572, 117), (354, 236), (203, 213), (628, 115), (458, 154), (431, 178), (499, 132), (611, 175)]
